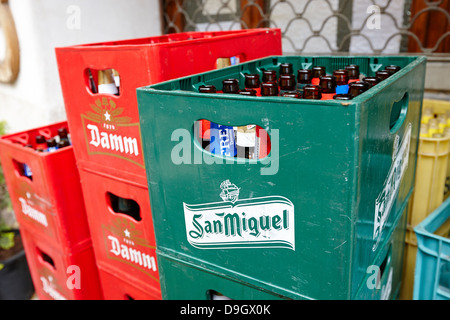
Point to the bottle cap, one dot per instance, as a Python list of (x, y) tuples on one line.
[(40, 139)]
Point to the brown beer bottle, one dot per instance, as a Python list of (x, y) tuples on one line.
[(356, 88), (317, 72), (392, 69), (269, 88), (312, 91), (269, 75), (304, 77), (353, 73), (205, 125), (252, 82), (41, 143), (327, 86), (371, 81), (230, 86), (287, 82), (382, 75)]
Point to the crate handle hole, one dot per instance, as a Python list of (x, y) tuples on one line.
[(246, 142), (22, 169), (103, 81), (214, 295), (229, 61), (124, 206), (398, 113), (44, 257)]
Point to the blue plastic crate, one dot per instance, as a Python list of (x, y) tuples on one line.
[(432, 273)]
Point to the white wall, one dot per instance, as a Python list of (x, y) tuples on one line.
[(35, 99)]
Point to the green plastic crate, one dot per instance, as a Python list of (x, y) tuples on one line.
[(337, 178), (432, 273)]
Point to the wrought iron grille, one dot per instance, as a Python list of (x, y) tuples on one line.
[(325, 26)]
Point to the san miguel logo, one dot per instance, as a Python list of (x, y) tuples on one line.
[(108, 132), (125, 243), (265, 222)]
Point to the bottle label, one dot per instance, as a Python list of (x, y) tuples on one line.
[(222, 140), (107, 88), (246, 136)]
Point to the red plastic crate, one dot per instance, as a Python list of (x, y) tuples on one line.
[(60, 275), (116, 288), (50, 204), (123, 244), (105, 127)]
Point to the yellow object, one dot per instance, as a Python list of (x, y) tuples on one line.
[(430, 186)]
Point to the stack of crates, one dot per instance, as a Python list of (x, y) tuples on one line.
[(431, 183), (106, 137), (322, 216), (48, 203), (432, 273)]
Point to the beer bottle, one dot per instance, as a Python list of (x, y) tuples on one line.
[(92, 82), (342, 80), (26, 168), (41, 143), (327, 86), (106, 82), (269, 88), (63, 138), (205, 125), (291, 94), (342, 96), (51, 145), (392, 69), (246, 141), (304, 77), (287, 83), (424, 130), (269, 75), (252, 82), (312, 91), (371, 81), (356, 88), (248, 92), (116, 80), (286, 68), (433, 127), (442, 122), (428, 114), (230, 86), (353, 73), (382, 75), (317, 72)]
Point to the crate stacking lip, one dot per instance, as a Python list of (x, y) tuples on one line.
[(317, 209)]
